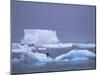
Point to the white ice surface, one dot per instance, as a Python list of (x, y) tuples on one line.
[(57, 45), (82, 45), (76, 54), (32, 59)]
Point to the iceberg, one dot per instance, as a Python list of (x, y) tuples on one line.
[(44, 38), (38, 37)]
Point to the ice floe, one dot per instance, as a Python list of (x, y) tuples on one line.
[(82, 45), (76, 55), (32, 59)]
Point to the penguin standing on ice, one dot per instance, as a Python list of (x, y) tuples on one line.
[(47, 54)]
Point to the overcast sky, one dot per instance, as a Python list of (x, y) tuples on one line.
[(71, 22)]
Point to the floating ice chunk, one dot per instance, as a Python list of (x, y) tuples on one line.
[(80, 53), (75, 54), (29, 60), (75, 57), (37, 56)]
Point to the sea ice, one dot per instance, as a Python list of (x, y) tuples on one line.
[(76, 54), (82, 45)]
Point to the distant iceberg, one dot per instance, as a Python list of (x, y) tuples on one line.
[(38, 37)]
